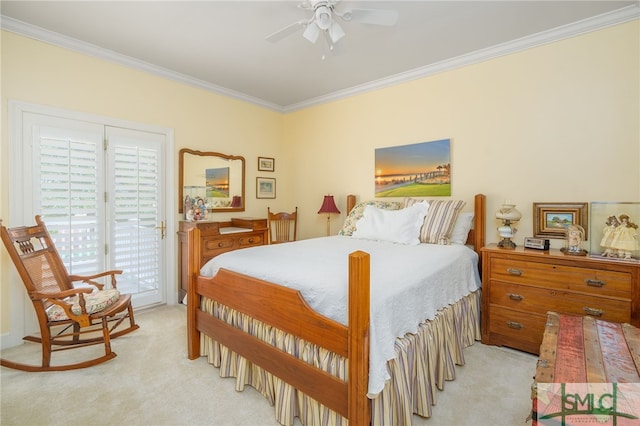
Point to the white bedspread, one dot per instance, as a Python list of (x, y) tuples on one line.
[(409, 284)]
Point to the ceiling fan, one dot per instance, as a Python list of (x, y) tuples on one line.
[(324, 21)]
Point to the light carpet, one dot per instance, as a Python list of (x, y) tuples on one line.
[(151, 382)]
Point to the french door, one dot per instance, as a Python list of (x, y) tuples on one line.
[(101, 190)]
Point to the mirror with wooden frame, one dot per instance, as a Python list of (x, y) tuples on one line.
[(216, 179)]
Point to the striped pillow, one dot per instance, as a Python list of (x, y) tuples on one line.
[(438, 224)]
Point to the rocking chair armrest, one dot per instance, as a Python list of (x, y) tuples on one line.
[(60, 295), (88, 279), (82, 318)]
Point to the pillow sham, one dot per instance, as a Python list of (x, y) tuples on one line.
[(356, 213), (438, 224), (461, 228), (396, 226)]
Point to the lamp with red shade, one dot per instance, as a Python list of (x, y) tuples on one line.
[(236, 201), (328, 207)]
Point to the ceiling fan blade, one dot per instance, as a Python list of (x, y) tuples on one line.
[(286, 31), (371, 16)]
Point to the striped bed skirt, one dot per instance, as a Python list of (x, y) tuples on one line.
[(423, 362)]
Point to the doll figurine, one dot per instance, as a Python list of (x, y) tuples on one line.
[(200, 209), (607, 237), (575, 236), (188, 204), (625, 237)]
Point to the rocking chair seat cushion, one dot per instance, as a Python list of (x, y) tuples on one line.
[(95, 302)]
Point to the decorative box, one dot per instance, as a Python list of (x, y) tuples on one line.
[(615, 230)]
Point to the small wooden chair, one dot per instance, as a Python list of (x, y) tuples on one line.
[(69, 317), (282, 226)]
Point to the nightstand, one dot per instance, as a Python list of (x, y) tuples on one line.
[(519, 287)]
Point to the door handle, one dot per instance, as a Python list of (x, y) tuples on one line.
[(161, 228)]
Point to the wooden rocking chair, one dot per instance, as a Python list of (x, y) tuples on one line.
[(69, 317)]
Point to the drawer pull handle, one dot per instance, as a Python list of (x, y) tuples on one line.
[(593, 311), (220, 244), (516, 297), (594, 283), (514, 325), (514, 271), (250, 240)]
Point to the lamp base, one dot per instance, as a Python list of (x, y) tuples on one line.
[(506, 243)]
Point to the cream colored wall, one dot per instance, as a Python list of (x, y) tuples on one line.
[(556, 123), (43, 74)]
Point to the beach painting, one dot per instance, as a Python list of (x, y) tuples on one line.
[(217, 182), (416, 170)]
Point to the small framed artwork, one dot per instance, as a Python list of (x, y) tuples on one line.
[(265, 187), (551, 220), (266, 164)]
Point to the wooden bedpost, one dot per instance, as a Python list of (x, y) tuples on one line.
[(359, 274), (351, 202), (193, 299), (479, 224)]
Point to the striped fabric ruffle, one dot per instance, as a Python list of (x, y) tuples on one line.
[(424, 361)]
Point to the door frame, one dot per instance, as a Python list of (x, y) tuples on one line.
[(17, 298)]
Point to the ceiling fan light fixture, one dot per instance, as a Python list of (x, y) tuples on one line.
[(311, 32), (324, 20), (336, 32), (323, 17)]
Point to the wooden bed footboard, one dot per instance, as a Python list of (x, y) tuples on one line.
[(286, 310)]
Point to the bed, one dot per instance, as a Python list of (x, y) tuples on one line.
[(316, 366)]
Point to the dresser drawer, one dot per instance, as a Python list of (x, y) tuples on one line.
[(560, 277), (214, 247), (540, 300), (517, 329), (251, 240), (207, 228)]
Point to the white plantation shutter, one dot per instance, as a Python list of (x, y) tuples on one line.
[(102, 204), (100, 192), (135, 172), (68, 166)]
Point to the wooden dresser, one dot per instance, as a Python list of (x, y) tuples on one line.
[(520, 286), (217, 238)]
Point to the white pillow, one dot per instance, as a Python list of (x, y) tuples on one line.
[(396, 226), (461, 228)]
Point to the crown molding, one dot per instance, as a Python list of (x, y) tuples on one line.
[(616, 17), (41, 34)]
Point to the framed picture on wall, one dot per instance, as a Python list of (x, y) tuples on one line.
[(265, 187), (551, 220), (266, 164), (415, 170)]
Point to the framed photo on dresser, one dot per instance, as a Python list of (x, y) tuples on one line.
[(551, 220)]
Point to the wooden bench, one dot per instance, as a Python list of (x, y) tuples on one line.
[(585, 366)]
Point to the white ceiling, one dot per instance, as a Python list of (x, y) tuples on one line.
[(221, 46)]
